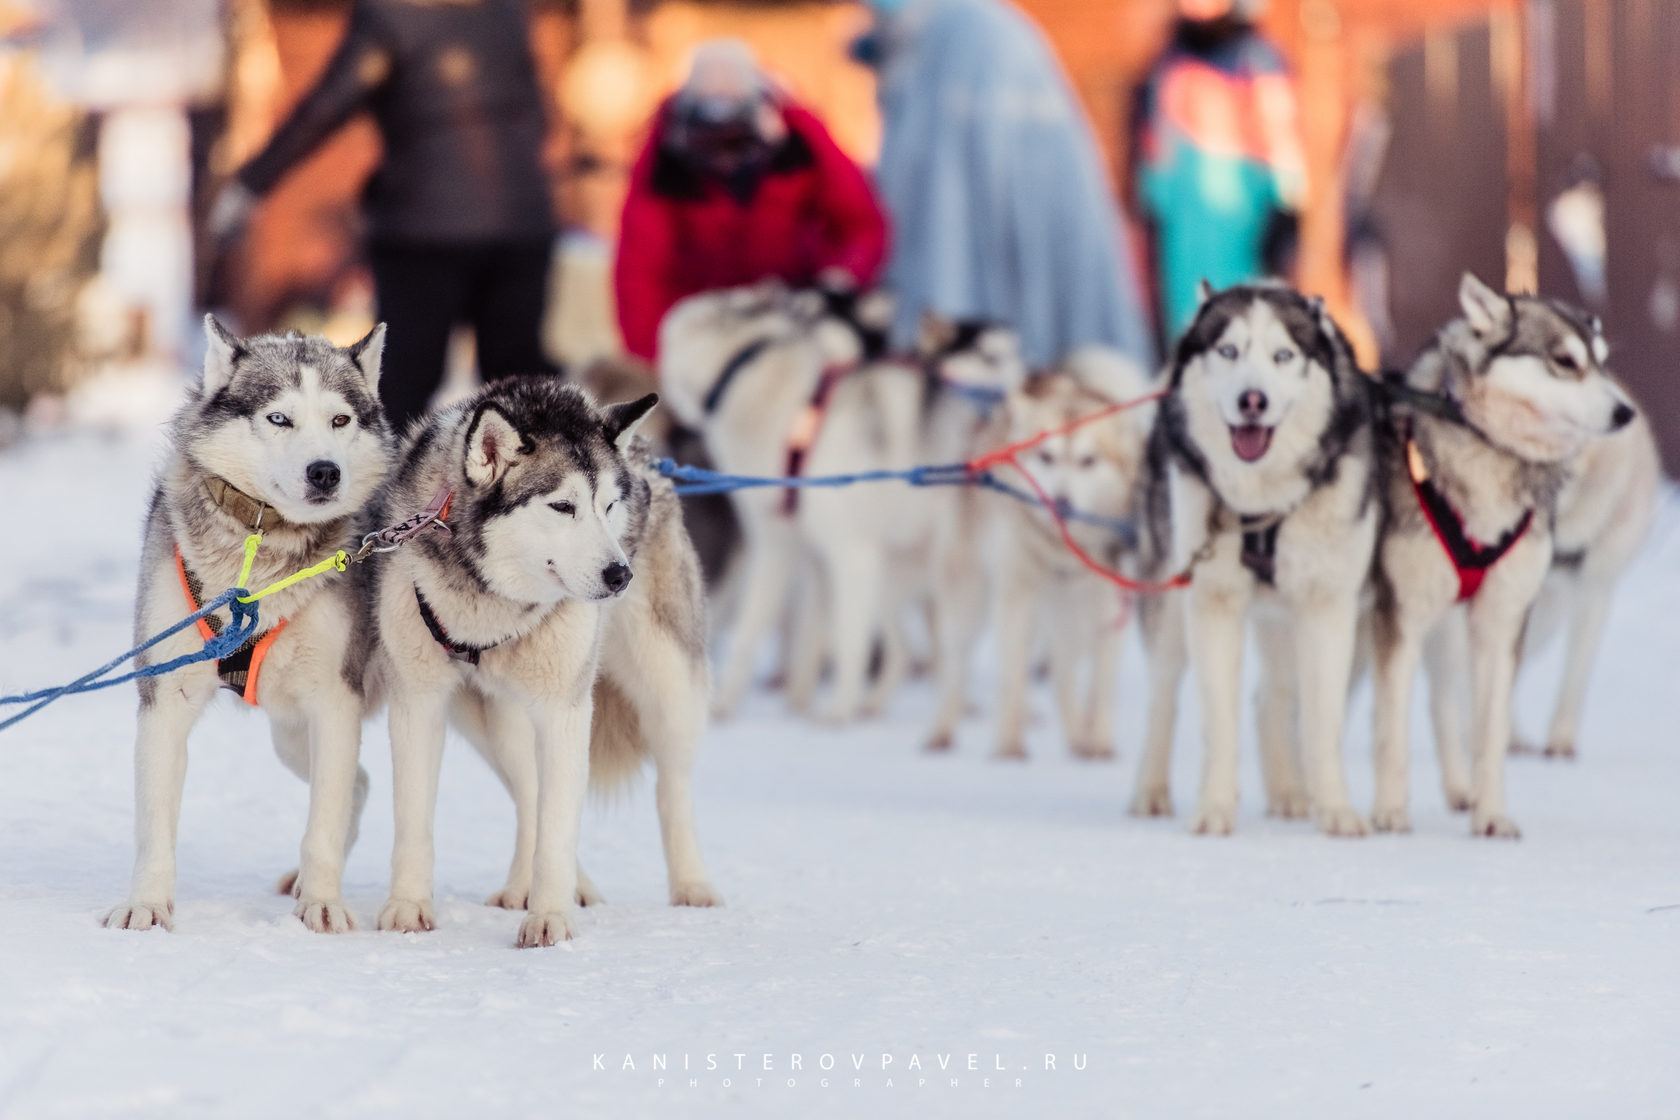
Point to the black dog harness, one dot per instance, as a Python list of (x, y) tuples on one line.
[(458, 651), (1259, 545)]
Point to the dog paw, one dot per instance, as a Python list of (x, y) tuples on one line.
[(1340, 820), (939, 742), (401, 915), (1522, 746), (326, 915), (1289, 804), (1214, 820), (1561, 750), (1095, 752), (1154, 801), (1458, 799), (141, 915), (1391, 818), (696, 893), (1010, 752), (288, 883), (510, 898), (538, 931), (1496, 825)]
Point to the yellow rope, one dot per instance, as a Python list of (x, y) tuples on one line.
[(337, 562)]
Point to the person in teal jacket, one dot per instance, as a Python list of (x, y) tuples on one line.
[(1219, 171)]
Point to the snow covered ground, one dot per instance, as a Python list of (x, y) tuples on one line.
[(943, 917)]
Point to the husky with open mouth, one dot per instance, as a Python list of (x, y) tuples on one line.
[(1261, 483), (1488, 423), (559, 624)]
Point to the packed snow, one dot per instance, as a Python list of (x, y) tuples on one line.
[(933, 930)]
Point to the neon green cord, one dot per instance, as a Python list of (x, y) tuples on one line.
[(338, 561)]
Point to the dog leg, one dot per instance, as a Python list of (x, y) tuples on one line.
[(1586, 629), (1163, 630), (1324, 632), (1280, 755), (1016, 597), (160, 772), (1099, 700), (417, 725), (668, 690), (1398, 652), (1446, 661), (502, 732), (562, 775), (895, 658), (335, 743), (958, 605), (855, 576), (291, 746), (807, 641), (1216, 649), (1493, 643), (770, 556)]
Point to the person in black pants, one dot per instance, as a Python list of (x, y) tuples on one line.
[(459, 221)]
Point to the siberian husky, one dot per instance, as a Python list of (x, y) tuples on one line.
[(560, 625), (1262, 484), (1488, 421), (1037, 581), (284, 436), (759, 372)]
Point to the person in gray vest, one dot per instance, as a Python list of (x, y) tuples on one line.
[(459, 220)]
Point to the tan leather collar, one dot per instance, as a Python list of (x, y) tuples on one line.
[(254, 515)]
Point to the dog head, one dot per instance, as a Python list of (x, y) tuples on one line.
[(546, 498), (703, 334), (980, 355), (1094, 467), (292, 421), (1259, 376), (1530, 375)]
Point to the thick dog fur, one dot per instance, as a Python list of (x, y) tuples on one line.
[(850, 533), (1314, 478), (582, 675), (1527, 375), (268, 409), (1040, 588)]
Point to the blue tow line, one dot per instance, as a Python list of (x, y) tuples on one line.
[(236, 634), (695, 481)]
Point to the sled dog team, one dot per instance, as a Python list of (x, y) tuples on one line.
[(553, 610)]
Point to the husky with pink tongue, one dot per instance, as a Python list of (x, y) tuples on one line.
[(1261, 483)]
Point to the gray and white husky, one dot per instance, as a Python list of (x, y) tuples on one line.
[(559, 624), (284, 436), (1471, 489), (1262, 482)]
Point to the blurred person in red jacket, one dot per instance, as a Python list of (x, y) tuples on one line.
[(736, 185)]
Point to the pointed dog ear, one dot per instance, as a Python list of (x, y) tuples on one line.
[(493, 443), (622, 420), (366, 354), (1204, 291), (224, 350), (1488, 312)]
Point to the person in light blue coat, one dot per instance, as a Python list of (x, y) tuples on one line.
[(1000, 206)]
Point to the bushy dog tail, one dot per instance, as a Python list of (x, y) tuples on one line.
[(616, 745)]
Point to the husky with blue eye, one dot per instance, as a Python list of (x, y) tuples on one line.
[(1262, 484), (284, 436), (559, 624)]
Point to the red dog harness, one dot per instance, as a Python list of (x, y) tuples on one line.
[(806, 427), (1470, 558)]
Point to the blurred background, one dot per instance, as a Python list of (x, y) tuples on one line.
[(1535, 142)]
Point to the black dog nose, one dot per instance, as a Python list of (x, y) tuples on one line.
[(1252, 404), (1622, 417), (616, 577), (322, 475)]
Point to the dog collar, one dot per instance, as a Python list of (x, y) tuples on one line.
[(458, 651), (254, 515), (1470, 558), (736, 363)]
